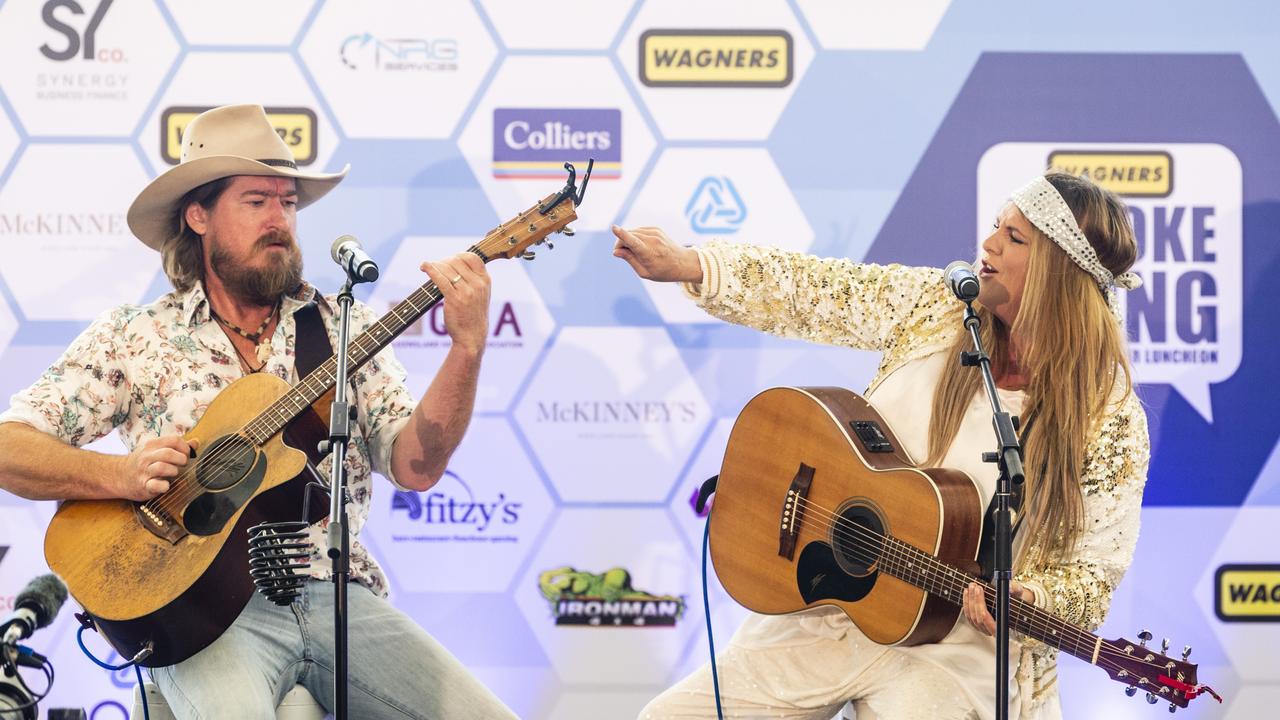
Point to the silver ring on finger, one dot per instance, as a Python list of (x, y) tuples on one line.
[(455, 280)]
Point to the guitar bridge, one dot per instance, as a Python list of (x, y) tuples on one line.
[(159, 523), (792, 513)]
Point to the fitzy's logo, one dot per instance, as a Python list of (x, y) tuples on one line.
[(364, 51), (606, 600), (451, 504), (81, 42)]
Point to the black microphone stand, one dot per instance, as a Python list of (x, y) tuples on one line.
[(340, 416), (1009, 457)]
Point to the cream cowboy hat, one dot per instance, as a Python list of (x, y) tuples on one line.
[(218, 143)]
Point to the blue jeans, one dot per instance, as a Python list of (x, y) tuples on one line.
[(397, 670)]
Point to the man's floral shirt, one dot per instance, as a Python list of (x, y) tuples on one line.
[(153, 370)]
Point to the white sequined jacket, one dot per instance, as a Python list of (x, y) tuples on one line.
[(907, 313)]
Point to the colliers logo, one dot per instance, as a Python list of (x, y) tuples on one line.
[(606, 599), (535, 143), (295, 125), (716, 58), (1247, 593), (1132, 174)]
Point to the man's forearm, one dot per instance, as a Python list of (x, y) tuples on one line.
[(422, 451), (37, 466)]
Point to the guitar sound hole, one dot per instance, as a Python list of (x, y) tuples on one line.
[(858, 539), (225, 462)]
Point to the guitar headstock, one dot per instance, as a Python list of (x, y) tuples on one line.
[(1142, 668), (550, 215)]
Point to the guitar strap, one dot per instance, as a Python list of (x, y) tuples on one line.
[(312, 345)]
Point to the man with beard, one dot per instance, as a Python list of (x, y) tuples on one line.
[(224, 221)]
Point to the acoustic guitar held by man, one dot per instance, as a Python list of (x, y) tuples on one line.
[(224, 221)]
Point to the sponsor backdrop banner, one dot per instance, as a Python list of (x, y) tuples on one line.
[(559, 558)]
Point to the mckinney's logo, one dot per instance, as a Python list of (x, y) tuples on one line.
[(621, 411), (1247, 593), (534, 143), (1132, 174), (606, 599), (716, 58), (295, 125)]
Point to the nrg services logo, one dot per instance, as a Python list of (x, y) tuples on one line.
[(534, 143), (1247, 593), (606, 599), (715, 208), (716, 58), (365, 51), (295, 125)]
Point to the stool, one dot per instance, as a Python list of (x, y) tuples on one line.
[(297, 705)]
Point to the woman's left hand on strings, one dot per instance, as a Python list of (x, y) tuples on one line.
[(975, 607)]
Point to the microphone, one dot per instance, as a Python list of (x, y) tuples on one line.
[(34, 608), (346, 251), (961, 279)]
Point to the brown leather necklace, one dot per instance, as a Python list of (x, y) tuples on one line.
[(262, 348)]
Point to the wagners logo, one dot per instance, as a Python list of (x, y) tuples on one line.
[(1132, 174), (1247, 593), (605, 600), (716, 58), (295, 125), (535, 143)]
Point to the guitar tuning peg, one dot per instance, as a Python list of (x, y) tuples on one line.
[(1186, 652), (1173, 708), (1131, 691), (567, 231), (1143, 637), (550, 245), (527, 255), (1164, 646), (1151, 699)]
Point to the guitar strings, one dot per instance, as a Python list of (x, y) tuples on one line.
[(949, 576), (185, 487), (1105, 648)]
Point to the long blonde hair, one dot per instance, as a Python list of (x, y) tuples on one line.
[(1073, 354)]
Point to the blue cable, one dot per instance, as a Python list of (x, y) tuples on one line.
[(706, 611), (142, 691)]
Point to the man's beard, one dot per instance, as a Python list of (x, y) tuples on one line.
[(262, 286)]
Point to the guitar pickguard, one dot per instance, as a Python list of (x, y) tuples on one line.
[(820, 577), (231, 478)]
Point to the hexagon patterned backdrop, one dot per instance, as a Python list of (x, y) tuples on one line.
[(870, 130)]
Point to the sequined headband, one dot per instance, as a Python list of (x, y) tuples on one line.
[(1041, 203)]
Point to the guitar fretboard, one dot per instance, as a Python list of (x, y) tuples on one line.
[(912, 565), (271, 420)]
